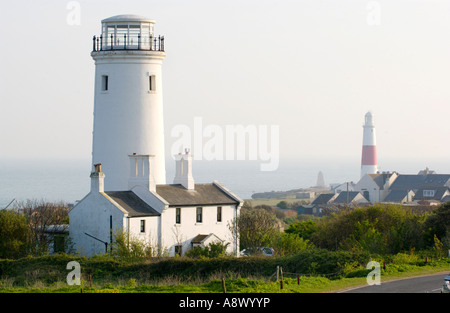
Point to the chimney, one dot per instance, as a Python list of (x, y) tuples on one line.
[(97, 179), (140, 172), (183, 170)]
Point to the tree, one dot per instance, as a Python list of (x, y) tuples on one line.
[(438, 223), (254, 228), (15, 235), (41, 217), (303, 229)]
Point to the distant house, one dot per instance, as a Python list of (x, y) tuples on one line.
[(350, 198), (323, 199), (425, 186), (305, 195), (399, 196), (428, 193), (310, 209), (348, 186), (375, 187)]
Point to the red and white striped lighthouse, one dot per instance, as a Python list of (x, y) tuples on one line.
[(369, 164)]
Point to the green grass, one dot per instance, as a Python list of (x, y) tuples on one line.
[(315, 284), (273, 201), (47, 274)]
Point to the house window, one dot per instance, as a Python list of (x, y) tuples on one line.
[(219, 214), (428, 193), (199, 214), (178, 250), (142, 226), (178, 215), (105, 83), (151, 83)]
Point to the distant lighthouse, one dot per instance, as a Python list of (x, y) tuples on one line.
[(128, 101), (369, 163)]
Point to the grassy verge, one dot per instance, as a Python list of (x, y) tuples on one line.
[(47, 275)]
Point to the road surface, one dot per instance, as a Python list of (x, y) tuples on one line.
[(421, 284)]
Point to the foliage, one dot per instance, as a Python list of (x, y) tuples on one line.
[(303, 229), (42, 217), (377, 229), (438, 223), (213, 250), (255, 227), (128, 247), (286, 244), (15, 235)]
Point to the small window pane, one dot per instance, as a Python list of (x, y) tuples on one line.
[(104, 82), (199, 214)]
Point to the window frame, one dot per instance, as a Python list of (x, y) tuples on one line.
[(142, 226), (219, 214), (105, 83), (177, 215), (199, 214)]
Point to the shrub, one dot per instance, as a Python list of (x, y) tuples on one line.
[(285, 244), (213, 250)]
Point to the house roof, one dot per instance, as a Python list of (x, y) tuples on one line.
[(396, 196), (439, 193), (203, 194), (200, 238), (414, 182), (380, 179), (131, 203), (342, 197), (323, 198)]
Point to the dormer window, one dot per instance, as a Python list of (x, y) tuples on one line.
[(428, 193)]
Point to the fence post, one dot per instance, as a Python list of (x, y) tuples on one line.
[(278, 272), (224, 288)]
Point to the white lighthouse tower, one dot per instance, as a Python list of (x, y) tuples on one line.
[(369, 164), (128, 104)]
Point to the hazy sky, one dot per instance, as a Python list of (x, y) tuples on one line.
[(312, 67)]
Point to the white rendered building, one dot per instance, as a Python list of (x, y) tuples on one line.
[(128, 103), (128, 189)]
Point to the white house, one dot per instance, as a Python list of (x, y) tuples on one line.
[(375, 187), (170, 217), (128, 141)]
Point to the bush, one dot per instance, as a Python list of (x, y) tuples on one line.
[(285, 244), (213, 250)]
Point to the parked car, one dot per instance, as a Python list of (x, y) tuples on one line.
[(263, 251), (446, 285)]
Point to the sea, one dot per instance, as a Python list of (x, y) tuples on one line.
[(68, 180)]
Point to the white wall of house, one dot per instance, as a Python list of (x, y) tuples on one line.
[(376, 194), (174, 234), (150, 234), (367, 185), (92, 215)]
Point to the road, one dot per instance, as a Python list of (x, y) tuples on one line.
[(421, 284)]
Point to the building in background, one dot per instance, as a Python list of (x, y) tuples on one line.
[(369, 163)]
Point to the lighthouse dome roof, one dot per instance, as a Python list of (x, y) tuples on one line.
[(127, 18)]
